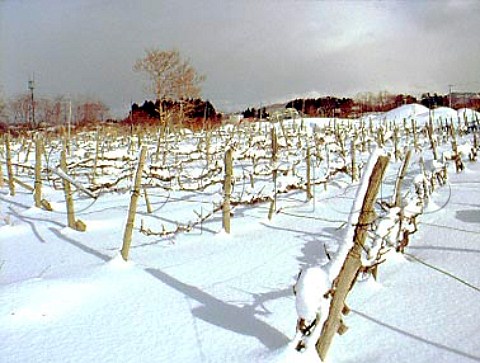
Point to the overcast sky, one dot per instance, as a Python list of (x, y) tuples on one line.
[(252, 52)]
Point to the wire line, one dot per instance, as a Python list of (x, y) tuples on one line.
[(442, 271)]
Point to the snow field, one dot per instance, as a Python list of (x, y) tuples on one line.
[(206, 296)]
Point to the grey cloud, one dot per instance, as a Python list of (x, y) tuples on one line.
[(252, 52)]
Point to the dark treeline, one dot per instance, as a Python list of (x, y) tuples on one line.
[(191, 112), (381, 102), (348, 107), (260, 113), (324, 106), (330, 106)]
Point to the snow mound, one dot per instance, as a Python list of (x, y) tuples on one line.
[(313, 283), (445, 112), (439, 113), (405, 112)]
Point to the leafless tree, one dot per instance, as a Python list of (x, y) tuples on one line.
[(90, 110), (171, 76), (20, 108)]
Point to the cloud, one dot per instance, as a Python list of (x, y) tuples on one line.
[(252, 52)]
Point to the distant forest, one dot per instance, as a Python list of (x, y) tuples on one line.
[(330, 106)]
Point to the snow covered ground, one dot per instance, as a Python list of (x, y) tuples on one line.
[(206, 296)]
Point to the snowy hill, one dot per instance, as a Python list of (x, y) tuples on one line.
[(405, 112)]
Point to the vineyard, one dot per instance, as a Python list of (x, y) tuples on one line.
[(195, 238)]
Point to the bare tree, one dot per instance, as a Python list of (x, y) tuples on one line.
[(90, 110), (20, 107), (171, 77)]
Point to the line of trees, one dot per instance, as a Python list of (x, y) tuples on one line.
[(323, 106), (368, 102), (260, 113), (53, 111), (383, 101), (176, 87), (330, 106)]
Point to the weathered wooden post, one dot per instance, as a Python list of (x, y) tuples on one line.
[(147, 201), (132, 210), (273, 203), (285, 134), (11, 183), (415, 137), (2, 179), (37, 193), (396, 141), (348, 273), (433, 144), (67, 190), (309, 172), (456, 156), (160, 137), (364, 139), (208, 157), (95, 162), (401, 175), (380, 136), (474, 151), (354, 159), (227, 190)]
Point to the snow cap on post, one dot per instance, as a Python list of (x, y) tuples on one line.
[(312, 286)]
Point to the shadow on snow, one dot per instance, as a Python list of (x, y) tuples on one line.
[(416, 337), (239, 319)]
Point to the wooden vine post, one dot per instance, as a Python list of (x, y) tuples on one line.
[(11, 183), (227, 190), (309, 177), (415, 137), (159, 142), (2, 181), (346, 278), (208, 136), (400, 178), (132, 210), (147, 201), (456, 156), (433, 143), (67, 190), (354, 160), (396, 141), (37, 193), (474, 151), (95, 161), (273, 204)]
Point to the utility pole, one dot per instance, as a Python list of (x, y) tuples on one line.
[(31, 86)]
